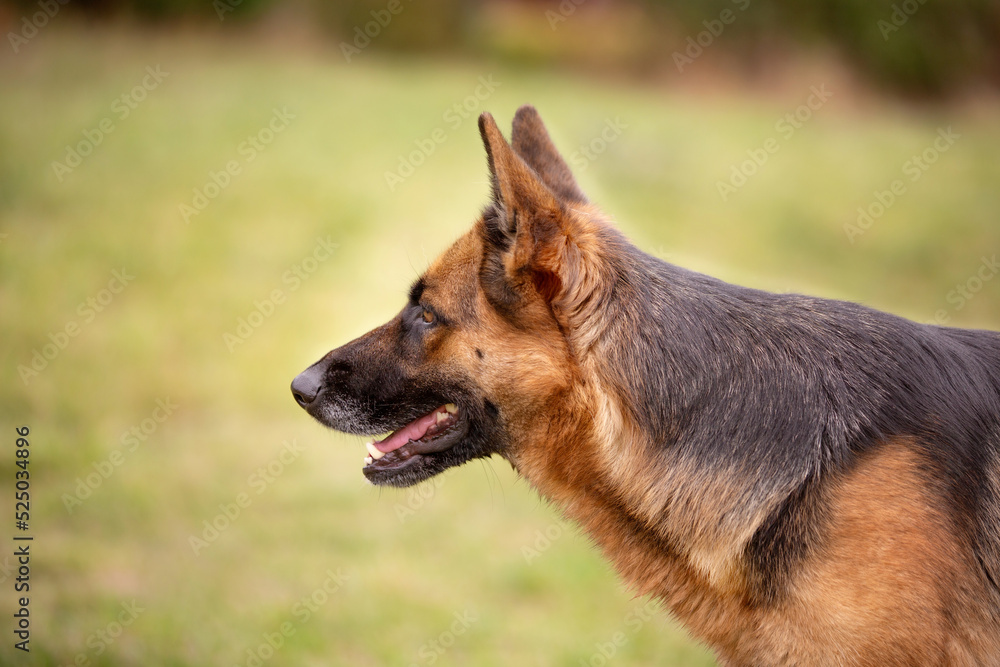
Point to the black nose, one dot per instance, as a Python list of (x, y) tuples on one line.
[(306, 386)]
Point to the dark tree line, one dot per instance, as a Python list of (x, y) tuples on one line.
[(928, 47)]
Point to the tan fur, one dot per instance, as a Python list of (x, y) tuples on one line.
[(893, 574), (890, 572), (523, 368)]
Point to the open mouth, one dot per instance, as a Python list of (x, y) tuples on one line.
[(436, 431)]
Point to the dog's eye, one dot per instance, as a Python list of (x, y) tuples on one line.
[(428, 316)]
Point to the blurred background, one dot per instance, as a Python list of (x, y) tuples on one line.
[(199, 199)]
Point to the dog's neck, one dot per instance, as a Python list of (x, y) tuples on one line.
[(701, 588)]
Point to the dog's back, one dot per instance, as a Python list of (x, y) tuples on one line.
[(862, 514)]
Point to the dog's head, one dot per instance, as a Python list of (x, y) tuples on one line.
[(487, 348)]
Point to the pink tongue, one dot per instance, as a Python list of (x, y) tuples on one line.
[(412, 431)]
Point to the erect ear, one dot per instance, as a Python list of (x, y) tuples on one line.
[(526, 230), (531, 141), (516, 188)]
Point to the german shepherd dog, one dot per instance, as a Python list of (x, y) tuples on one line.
[(801, 481)]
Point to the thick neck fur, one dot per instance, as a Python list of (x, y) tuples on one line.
[(707, 406)]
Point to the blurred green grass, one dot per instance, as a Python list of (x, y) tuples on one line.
[(412, 559)]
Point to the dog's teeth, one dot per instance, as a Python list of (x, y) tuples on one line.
[(369, 460), (441, 416), (451, 407), (373, 451)]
